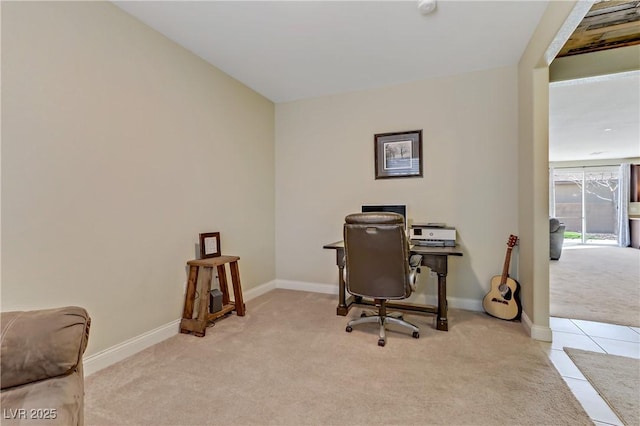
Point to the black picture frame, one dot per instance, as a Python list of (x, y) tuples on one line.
[(398, 154), (209, 245)]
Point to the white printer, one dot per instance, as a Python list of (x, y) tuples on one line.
[(432, 235)]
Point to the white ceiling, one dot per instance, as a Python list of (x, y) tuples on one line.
[(291, 50), (595, 118)]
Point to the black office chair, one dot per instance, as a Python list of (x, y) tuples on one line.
[(378, 265)]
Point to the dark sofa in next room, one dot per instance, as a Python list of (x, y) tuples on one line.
[(556, 238)]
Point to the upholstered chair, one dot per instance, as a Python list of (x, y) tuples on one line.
[(556, 238), (41, 366), (379, 266)]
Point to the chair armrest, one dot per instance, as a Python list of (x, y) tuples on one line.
[(37, 345), (414, 262), (554, 225)]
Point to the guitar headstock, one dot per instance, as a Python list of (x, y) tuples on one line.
[(513, 240)]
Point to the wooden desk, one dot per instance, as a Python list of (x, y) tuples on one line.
[(198, 325), (435, 258)]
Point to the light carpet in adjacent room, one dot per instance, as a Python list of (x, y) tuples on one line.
[(596, 283), (616, 378), (289, 361)]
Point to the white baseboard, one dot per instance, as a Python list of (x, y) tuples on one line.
[(129, 347), (307, 286), (259, 291), (454, 302), (109, 356), (536, 332)]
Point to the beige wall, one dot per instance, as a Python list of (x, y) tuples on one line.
[(604, 62), (533, 160), (325, 170), (118, 149)]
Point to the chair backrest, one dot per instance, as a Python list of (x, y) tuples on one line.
[(377, 255)]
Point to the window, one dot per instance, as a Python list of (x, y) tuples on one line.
[(586, 201)]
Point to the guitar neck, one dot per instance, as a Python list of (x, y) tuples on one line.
[(505, 268)]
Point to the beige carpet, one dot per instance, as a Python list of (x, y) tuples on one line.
[(596, 283), (616, 378), (290, 362)]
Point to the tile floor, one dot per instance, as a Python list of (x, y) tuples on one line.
[(595, 337)]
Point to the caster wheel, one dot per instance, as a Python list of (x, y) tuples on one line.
[(415, 335), (349, 329), (381, 342)]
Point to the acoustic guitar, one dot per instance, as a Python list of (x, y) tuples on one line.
[(503, 300)]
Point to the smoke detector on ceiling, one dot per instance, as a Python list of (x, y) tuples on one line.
[(426, 6)]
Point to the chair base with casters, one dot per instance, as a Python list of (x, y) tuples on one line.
[(382, 318)]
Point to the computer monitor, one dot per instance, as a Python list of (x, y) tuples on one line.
[(393, 208)]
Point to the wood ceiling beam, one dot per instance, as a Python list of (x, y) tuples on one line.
[(608, 25)]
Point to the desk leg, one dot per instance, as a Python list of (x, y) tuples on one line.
[(342, 308), (438, 264), (204, 276), (237, 289), (442, 323), (222, 280), (190, 294)]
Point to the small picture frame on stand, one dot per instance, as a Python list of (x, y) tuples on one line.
[(209, 245)]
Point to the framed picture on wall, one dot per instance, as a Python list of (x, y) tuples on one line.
[(398, 154), (209, 245)]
